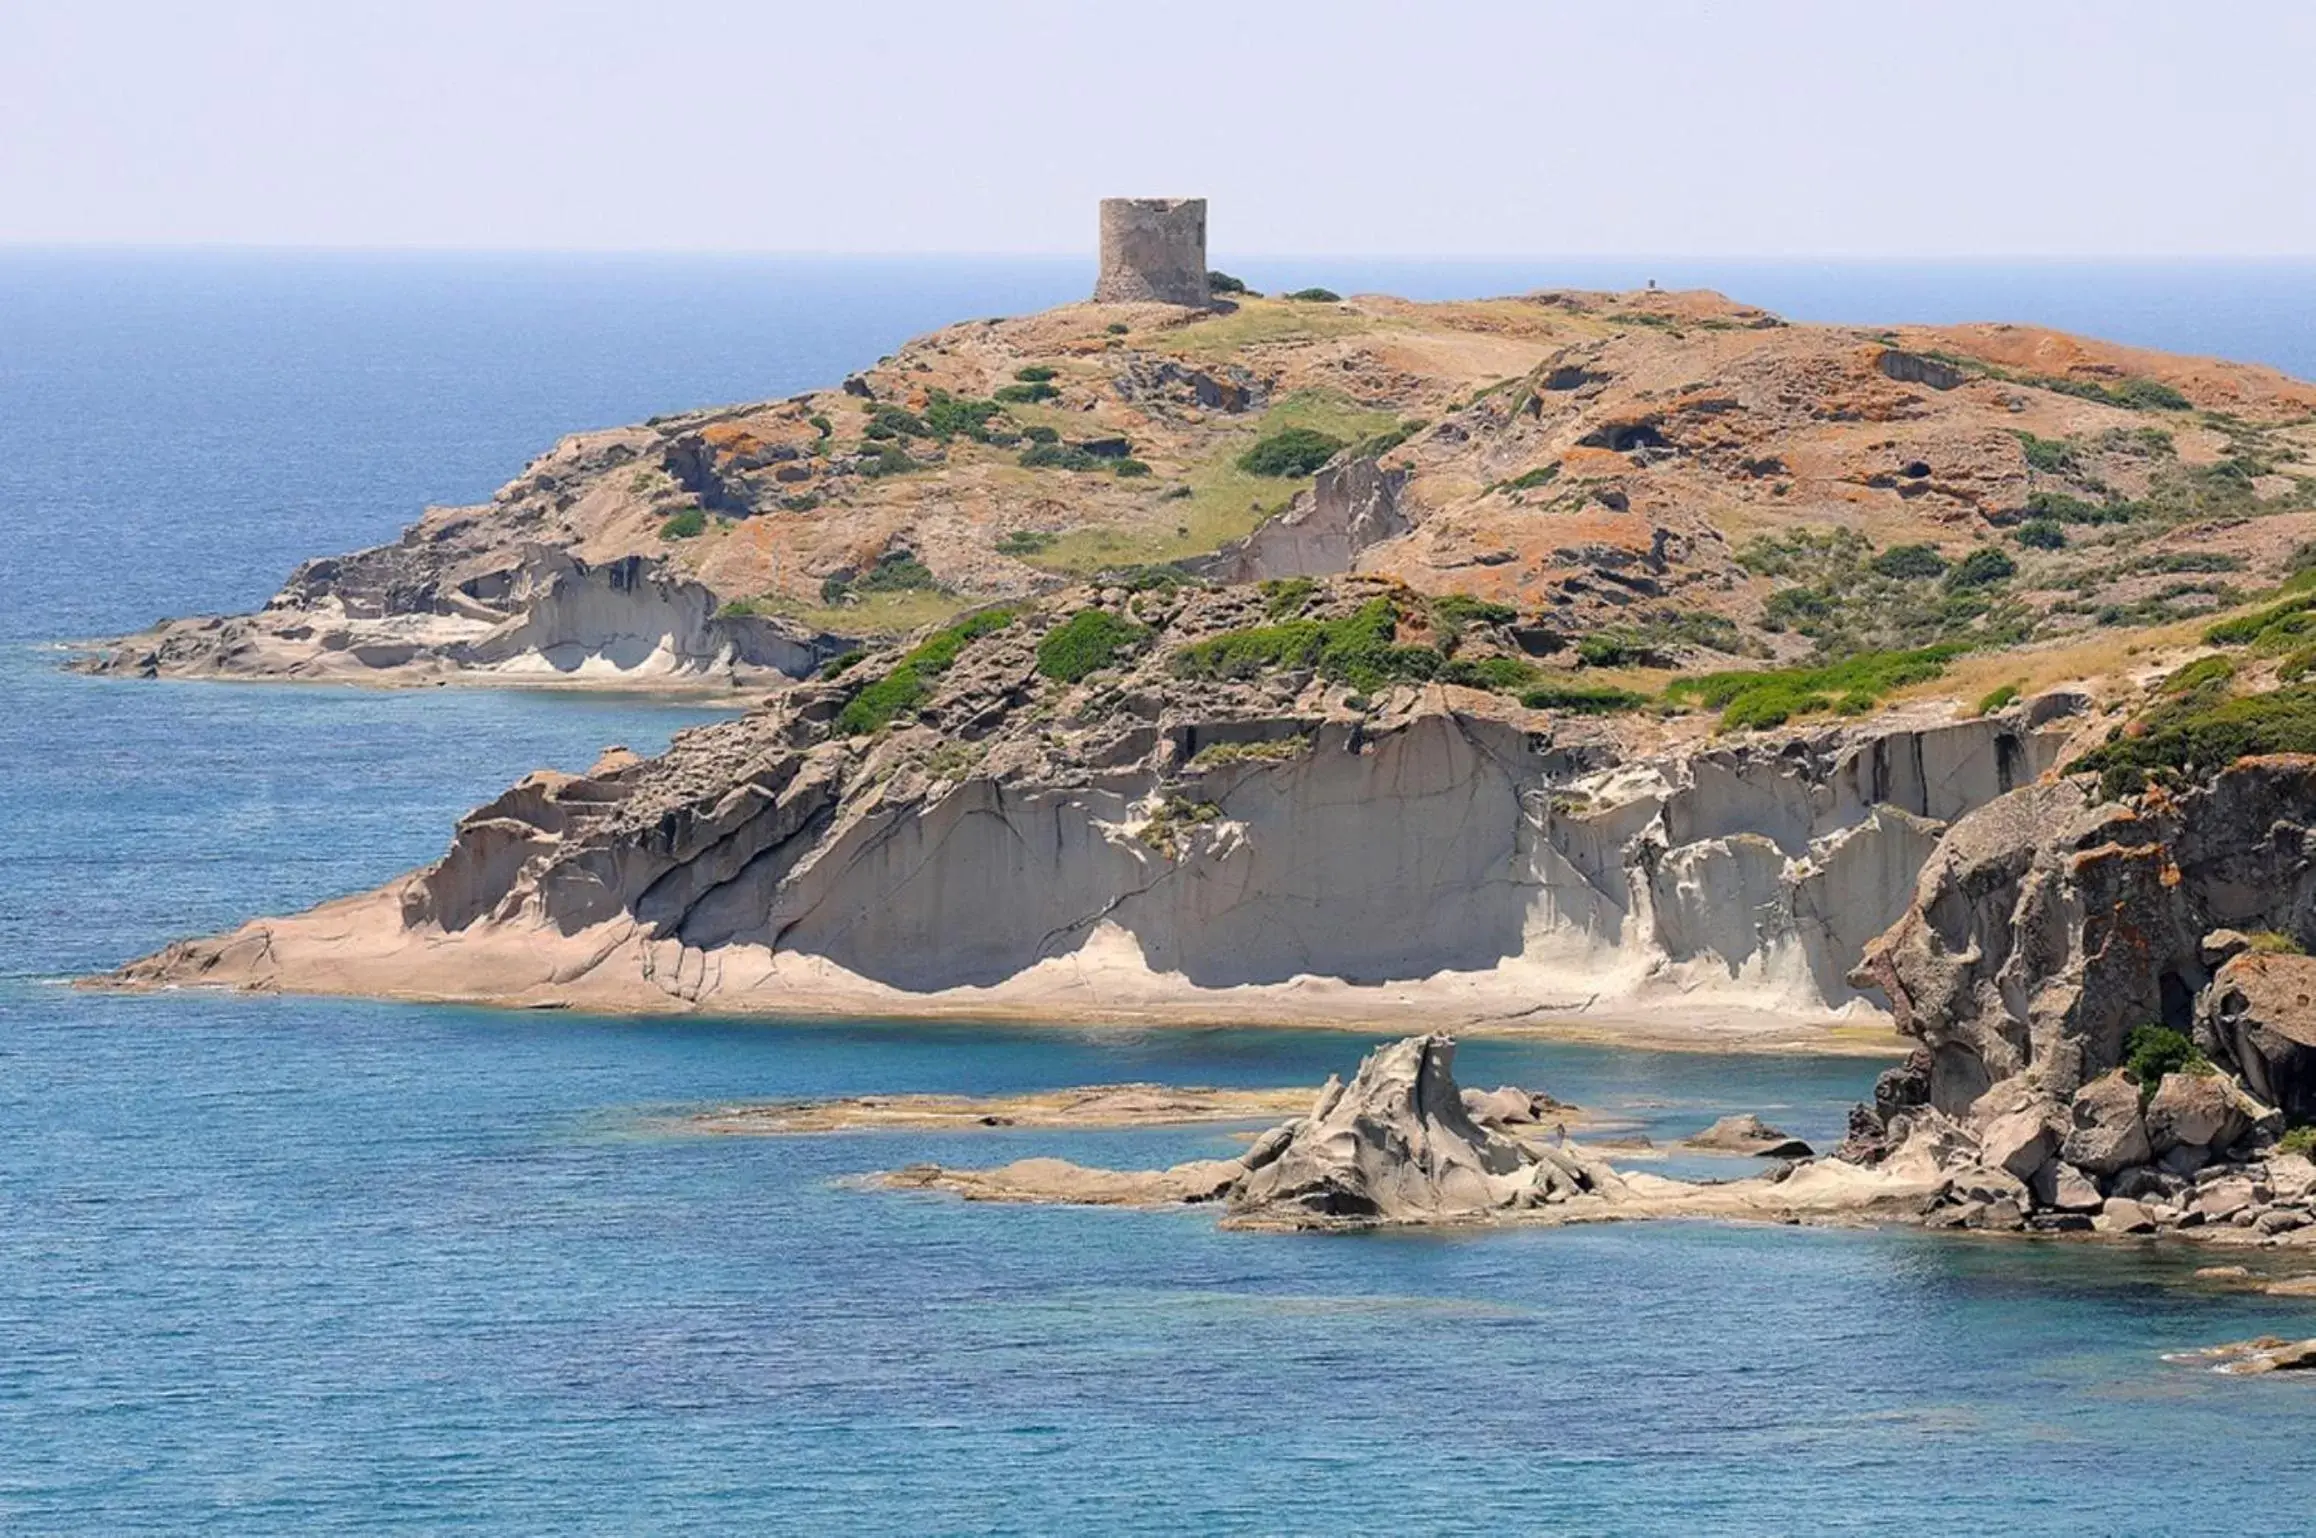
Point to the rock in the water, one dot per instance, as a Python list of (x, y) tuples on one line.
[(1749, 1134), (2121, 1215), (1507, 1105), (2263, 1353), (2109, 1133), (1397, 1145)]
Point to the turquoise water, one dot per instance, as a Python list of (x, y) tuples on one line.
[(279, 1265)]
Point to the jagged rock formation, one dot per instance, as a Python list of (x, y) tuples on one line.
[(1147, 840), (1592, 460), (1395, 1147), (2049, 926)]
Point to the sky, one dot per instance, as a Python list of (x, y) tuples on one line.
[(1862, 128)]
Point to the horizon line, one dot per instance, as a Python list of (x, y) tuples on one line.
[(1088, 255)]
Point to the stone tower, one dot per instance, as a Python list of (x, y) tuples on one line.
[(1153, 250)]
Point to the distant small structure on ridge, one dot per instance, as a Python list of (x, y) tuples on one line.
[(1153, 251)]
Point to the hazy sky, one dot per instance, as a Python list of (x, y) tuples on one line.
[(1865, 127)]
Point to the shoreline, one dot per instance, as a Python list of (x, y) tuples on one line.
[(1639, 1028)]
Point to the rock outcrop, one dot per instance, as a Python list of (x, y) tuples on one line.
[(1394, 1146), (1147, 840), (2085, 1067), (1749, 1134)]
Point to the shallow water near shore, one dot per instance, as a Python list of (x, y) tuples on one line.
[(285, 1265)]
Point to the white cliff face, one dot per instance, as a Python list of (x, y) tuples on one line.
[(1428, 859)]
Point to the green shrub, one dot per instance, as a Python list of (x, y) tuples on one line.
[(1086, 642), (1995, 699), (1316, 295), (1613, 649), (1911, 563), (800, 502), (1061, 456), (2191, 736), (1384, 442), (2246, 629), (1529, 480), (843, 663), (1356, 650), (1026, 394), (1771, 697), (688, 524), (2151, 1051), (947, 416), (1224, 283), (2274, 942), (2202, 676), (1293, 451), (1497, 675), (2052, 456), (1451, 613), (1041, 434), (1129, 468), (2041, 534), (2059, 507), (1284, 597), (2299, 1140), (2130, 394), (895, 422), (1024, 542), (1117, 328), (1983, 567), (1034, 373), (1580, 699), (821, 425), (905, 687), (887, 458)]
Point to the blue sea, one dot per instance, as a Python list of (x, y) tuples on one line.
[(294, 1266)]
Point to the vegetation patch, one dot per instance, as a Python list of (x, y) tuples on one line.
[(911, 680), (898, 573), (2197, 725), (688, 524), (1316, 296), (1849, 600), (1170, 825), (1529, 480), (1024, 542), (1285, 597), (1216, 755), (1580, 698), (1765, 698), (1995, 699), (1085, 643), (1293, 452), (1357, 649), (2151, 1051), (2130, 394), (1224, 283)]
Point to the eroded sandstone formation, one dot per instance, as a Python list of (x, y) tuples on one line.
[(1150, 839)]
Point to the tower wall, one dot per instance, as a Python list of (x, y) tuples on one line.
[(1153, 249)]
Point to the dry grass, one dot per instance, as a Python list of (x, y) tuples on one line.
[(1257, 321)]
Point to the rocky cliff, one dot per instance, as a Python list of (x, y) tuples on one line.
[(1159, 829), (2114, 1006)]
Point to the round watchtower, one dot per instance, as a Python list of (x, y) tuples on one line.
[(1153, 250)]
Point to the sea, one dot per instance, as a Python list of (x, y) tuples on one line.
[(282, 1265)]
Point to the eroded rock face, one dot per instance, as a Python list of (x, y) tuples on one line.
[(2045, 930), (2261, 1011), (1396, 1145)]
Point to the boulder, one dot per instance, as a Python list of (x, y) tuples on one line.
[(2202, 1110), (2020, 1142), (2121, 1215), (2109, 1132), (2061, 1187), (1749, 1134), (2261, 1012)]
